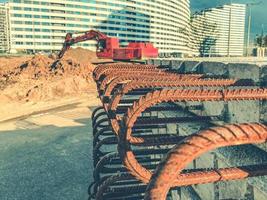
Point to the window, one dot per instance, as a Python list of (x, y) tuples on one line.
[(45, 30), (19, 43), (17, 8), (17, 15), (45, 23), (18, 29), (17, 22)]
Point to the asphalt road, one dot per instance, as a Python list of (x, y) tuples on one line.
[(47, 157)]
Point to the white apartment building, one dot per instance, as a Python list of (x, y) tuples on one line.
[(219, 31), (41, 25), (4, 29)]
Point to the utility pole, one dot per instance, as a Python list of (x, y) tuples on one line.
[(262, 35), (249, 27), (249, 5), (229, 32)]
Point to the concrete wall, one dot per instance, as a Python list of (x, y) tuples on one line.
[(231, 112)]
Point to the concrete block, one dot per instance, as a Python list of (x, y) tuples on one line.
[(189, 192), (263, 75), (258, 194), (176, 64), (156, 62), (150, 62), (246, 155), (188, 66), (213, 108), (244, 71), (262, 146), (205, 161), (214, 68), (172, 129), (165, 63), (176, 195), (233, 189), (205, 191), (263, 111), (243, 111)]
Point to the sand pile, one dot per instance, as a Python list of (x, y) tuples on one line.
[(43, 77)]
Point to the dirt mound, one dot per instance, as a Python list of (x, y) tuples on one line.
[(44, 77), (11, 64), (37, 67), (68, 86), (80, 55), (9, 69), (75, 61)]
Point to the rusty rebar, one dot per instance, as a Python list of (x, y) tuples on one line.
[(168, 172), (138, 80), (125, 136)]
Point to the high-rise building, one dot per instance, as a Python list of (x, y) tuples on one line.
[(219, 31), (41, 25), (4, 29)]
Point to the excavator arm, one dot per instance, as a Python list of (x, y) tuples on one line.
[(89, 35)]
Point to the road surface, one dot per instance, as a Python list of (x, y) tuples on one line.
[(47, 156)]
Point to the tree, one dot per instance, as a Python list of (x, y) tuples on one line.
[(204, 34), (261, 40)]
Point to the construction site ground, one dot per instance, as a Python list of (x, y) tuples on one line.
[(46, 155), (45, 126)]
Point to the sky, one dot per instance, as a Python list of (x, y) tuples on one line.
[(259, 14)]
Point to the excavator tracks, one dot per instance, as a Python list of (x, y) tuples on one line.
[(138, 150)]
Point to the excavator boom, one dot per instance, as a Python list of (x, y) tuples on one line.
[(89, 35)]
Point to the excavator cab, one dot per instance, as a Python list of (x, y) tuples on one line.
[(106, 46), (101, 45)]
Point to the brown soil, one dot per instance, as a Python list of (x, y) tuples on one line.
[(42, 77)]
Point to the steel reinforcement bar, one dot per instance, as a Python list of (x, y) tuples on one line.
[(168, 172), (148, 76), (142, 75), (156, 72), (160, 83), (102, 67), (98, 72), (165, 95)]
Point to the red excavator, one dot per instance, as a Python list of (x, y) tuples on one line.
[(109, 47)]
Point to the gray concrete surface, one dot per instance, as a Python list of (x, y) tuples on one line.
[(47, 159), (231, 112)]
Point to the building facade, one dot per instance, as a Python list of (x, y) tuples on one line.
[(219, 31), (41, 25), (4, 29)]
